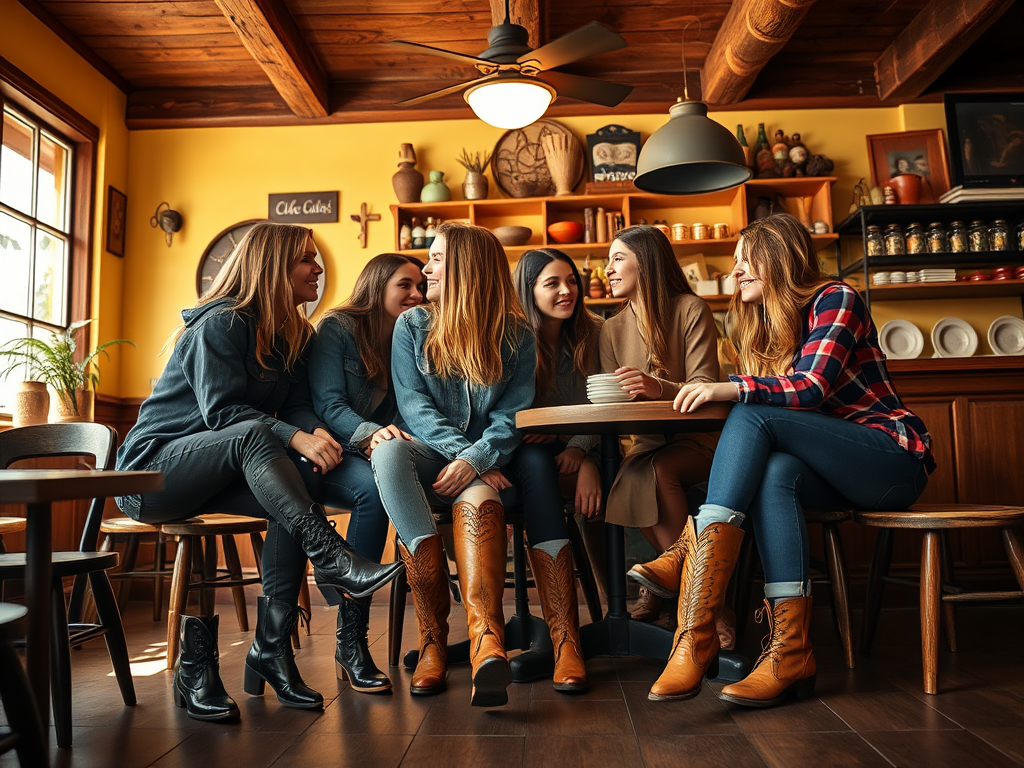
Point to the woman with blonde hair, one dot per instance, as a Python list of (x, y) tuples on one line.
[(818, 424), (350, 378), (664, 337), (462, 366), (228, 409)]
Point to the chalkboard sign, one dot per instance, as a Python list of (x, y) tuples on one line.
[(303, 207)]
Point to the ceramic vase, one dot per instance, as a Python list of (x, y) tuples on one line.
[(407, 181), (31, 404), (908, 188), (85, 399), (435, 191), (475, 186)]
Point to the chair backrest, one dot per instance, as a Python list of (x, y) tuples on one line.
[(67, 439)]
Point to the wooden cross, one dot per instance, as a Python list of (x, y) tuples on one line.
[(363, 218)]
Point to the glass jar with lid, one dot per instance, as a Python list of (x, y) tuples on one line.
[(876, 242), (957, 237), (977, 237), (999, 236), (938, 240), (894, 243), (1019, 237), (915, 238)]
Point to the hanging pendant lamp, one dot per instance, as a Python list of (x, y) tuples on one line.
[(690, 154)]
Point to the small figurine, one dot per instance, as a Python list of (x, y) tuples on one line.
[(890, 195), (766, 165), (819, 165), (798, 155)]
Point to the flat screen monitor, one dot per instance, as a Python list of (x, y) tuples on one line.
[(986, 139)]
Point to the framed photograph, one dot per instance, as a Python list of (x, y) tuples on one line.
[(117, 207), (694, 268), (922, 153), (986, 139), (613, 152)]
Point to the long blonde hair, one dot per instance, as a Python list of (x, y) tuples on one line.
[(478, 307), (659, 283), (781, 253), (257, 275)]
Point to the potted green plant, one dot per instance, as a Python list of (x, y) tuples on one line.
[(53, 362), (475, 185)]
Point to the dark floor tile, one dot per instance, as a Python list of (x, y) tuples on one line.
[(451, 715), (226, 746), (835, 750), (565, 751), (638, 669), (349, 750), (100, 748), (980, 709), (701, 751), (886, 711), (384, 714), (791, 717), (578, 717), (465, 752), (1009, 741), (937, 749), (701, 714)]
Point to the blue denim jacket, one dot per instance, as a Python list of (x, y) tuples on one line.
[(213, 381), (457, 419), (343, 395)]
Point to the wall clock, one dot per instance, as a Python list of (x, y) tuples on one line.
[(220, 248)]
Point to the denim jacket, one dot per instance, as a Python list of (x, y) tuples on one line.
[(343, 395), (213, 381), (457, 419)]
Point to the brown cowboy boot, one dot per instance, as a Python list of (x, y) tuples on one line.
[(479, 534), (427, 573), (661, 576), (556, 583), (648, 606), (786, 665), (710, 559)]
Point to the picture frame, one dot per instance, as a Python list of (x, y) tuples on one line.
[(980, 127), (612, 153), (922, 153), (694, 268), (117, 209)]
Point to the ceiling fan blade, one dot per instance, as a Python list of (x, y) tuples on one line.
[(444, 91), (420, 48), (603, 92), (589, 40)]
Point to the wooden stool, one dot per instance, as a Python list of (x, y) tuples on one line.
[(131, 532), (10, 525), (934, 519), (26, 728)]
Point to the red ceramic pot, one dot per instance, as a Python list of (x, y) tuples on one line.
[(908, 188)]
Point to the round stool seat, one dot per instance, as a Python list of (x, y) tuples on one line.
[(936, 516), (11, 525), (215, 525), (12, 565), (125, 525), (10, 612), (827, 515)]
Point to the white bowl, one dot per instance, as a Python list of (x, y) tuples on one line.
[(901, 340), (1006, 335), (953, 337)]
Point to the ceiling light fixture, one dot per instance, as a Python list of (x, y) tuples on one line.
[(691, 153), (511, 102)]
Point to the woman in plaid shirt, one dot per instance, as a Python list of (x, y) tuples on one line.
[(819, 424)]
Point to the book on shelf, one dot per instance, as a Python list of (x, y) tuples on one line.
[(960, 195)]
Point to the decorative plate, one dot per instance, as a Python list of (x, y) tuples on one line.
[(518, 163), (953, 337), (1006, 335), (901, 340)]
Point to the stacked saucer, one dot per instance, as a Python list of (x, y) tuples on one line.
[(897, 277), (937, 275), (605, 388)]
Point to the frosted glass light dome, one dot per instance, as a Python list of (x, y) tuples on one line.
[(509, 104)]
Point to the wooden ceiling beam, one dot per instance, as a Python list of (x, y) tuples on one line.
[(525, 13), (752, 32), (937, 36), (271, 36)]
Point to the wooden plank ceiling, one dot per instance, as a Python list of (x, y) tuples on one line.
[(264, 62)]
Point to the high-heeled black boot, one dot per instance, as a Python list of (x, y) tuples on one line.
[(270, 658), (352, 659), (197, 684)]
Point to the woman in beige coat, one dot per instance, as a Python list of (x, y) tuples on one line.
[(664, 337)]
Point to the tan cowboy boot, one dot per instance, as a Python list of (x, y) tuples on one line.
[(661, 576), (648, 606), (710, 559), (556, 583), (479, 534), (427, 573), (786, 665)]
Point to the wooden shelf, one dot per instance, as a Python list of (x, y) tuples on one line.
[(962, 289)]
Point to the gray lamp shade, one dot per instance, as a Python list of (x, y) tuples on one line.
[(690, 154)]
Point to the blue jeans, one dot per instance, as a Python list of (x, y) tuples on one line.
[(350, 486), (771, 462), (533, 470)]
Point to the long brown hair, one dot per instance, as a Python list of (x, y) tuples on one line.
[(659, 283), (257, 275), (477, 309), (365, 308), (577, 334), (781, 254)]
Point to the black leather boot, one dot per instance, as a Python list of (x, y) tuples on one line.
[(352, 659), (270, 658), (197, 685)]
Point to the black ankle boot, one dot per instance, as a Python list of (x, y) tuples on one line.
[(352, 658), (197, 685), (270, 658), (336, 567)]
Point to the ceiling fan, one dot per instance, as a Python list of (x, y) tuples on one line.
[(518, 83)]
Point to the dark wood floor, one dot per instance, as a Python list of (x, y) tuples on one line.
[(876, 715)]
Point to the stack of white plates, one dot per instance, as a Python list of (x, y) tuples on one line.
[(880, 278), (938, 275), (897, 277), (605, 388), (953, 337), (913, 277)]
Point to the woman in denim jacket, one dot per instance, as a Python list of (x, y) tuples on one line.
[(548, 284), (231, 402), (462, 367), (350, 378)]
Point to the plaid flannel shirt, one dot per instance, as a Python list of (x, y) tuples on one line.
[(839, 369)]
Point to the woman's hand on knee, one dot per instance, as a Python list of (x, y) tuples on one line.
[(454, 478), (496, 479), (319, 448), (637, 384), (693, 396), (568, 461), (588, 489), (390, 432)]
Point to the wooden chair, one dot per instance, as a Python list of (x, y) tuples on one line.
[(25, 733), (73, 439), (934, 520), (10, 525)]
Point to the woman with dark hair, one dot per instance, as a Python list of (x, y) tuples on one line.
[(663, 337), (231, 403), (815, 400), (548, 285), (350, 378)]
